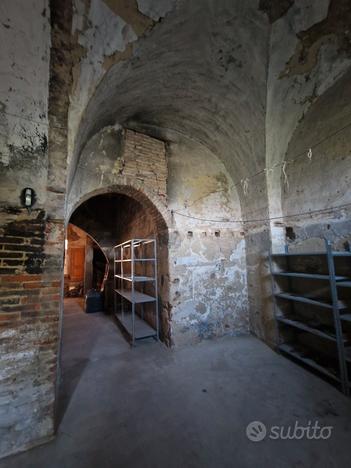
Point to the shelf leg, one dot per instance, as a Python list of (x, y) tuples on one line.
[(337, 321), (157, 320), (133, 324), (273, 296)]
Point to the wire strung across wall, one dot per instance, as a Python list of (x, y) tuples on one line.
[(262, 220), (244, 183)]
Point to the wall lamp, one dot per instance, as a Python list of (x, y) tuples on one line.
[(28, 198)]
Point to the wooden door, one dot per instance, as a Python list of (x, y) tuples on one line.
[(77, 259)]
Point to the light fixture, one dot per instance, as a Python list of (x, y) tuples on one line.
[(28, 198)]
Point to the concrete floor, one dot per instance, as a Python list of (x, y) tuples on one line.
[(155, 407)]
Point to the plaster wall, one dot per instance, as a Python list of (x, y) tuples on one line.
[(24, 61), (306, 58)]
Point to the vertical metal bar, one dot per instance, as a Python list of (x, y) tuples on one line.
[(337, 322), (291, 303), (114, 282), (133, 295), (144, 268), (273, 294), (156, 293), (122, 282)]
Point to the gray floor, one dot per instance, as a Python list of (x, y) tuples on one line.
[(155, 407)]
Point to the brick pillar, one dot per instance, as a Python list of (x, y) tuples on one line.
[(29, 300)]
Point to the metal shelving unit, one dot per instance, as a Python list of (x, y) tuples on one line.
[(333, 333), (135, 269)]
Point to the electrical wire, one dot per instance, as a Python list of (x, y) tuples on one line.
[(297, 157), (261, 220)]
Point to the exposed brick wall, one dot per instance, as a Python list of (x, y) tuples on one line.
[(29, 304), (22, 242), (145, 158)]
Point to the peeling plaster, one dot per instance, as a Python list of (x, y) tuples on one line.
[(129, 12), (155, 56), (24, 99), (289, 98), (334, 27)]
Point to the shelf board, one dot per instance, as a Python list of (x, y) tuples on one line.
[(308, 275), (136, 260), (307, 300), (344, 284), (128, 242), (137, 298), (307, 328), (346, 317), (291, 351), (142, 329), (136, 279), (303, 254), (297, 254)]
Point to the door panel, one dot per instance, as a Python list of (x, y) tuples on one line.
[(77, 259)]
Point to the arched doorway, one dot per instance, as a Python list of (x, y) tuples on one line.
[(119, 214), (108, 218)]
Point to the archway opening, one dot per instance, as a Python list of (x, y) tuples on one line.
[(115, 217), (106, 220), (85, 266)]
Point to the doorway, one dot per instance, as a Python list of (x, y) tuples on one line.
[(85, 266), (96, 225)]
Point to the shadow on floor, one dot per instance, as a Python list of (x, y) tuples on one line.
[(71, 365)]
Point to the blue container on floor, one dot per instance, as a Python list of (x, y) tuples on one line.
[(93, 301)]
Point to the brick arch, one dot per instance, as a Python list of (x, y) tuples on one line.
[(135, 189)]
